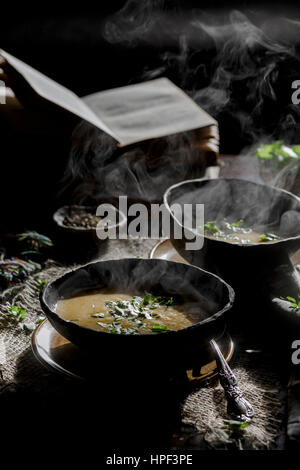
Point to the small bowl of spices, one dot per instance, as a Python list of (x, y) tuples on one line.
[(78, 228)]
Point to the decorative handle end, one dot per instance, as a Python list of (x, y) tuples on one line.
[(237, 406)]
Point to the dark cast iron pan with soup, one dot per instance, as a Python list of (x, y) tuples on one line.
[(209, 296), (260, 271)]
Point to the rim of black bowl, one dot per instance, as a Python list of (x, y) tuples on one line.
[(244, 245), (57, 214), (210, 319)]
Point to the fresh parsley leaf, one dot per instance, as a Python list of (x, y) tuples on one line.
[(147, 299), (236, 427), (42, 284), (210, 227), (239, 223), (169, 302), (268, 237), (263, 238), (16, 313), (279, 152), (294, 303), (159, 327)]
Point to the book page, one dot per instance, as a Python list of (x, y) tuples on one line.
[(147, 110), (54, 92), (130, 114)]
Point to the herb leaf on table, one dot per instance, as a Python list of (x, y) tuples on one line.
[(294, 303), (16, 313)]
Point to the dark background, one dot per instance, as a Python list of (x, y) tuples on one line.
[(70, 45)]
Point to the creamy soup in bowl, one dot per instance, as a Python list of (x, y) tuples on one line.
[(122, 313), (148, 310)]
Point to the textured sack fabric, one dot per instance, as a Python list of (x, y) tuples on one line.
[(204, 409)]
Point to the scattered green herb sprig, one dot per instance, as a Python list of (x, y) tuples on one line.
[(235, 430), (42, 284), (16, 313), (235, 427), (294, 303), (35, 240), (279, 152)]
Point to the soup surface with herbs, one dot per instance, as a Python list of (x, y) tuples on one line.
[(121, 313), (238, 232)]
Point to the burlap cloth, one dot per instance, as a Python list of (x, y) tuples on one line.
[(203, 408)]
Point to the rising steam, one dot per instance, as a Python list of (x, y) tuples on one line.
[(236, 69)]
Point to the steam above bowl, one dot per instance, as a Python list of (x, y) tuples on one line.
[(248, 267)]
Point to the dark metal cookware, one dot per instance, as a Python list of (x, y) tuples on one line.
[(260, 273), (172, 348)]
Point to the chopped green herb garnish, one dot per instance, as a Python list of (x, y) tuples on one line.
[(159, 327), (168, 302), (138, 307), (268, 237), (236, 232), (147, 299), (104, 325), (239, 223), (135, 312), (116, 328), (210, 227), (263, 238)]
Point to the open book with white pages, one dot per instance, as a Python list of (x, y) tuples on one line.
[(130, 114)]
